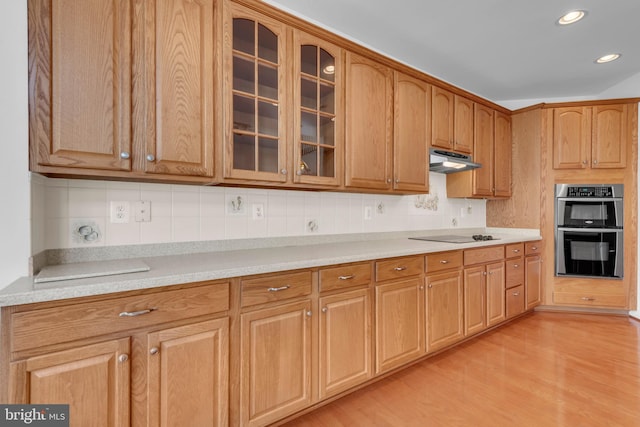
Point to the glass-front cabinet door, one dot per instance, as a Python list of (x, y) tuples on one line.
[(255, 105), (318, 110)]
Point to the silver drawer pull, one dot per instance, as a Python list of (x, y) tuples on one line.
[(400, 268), (515, 294), (281, 288), (588, 299), (516, 265), (136, 313), (535, 248), (516, 250), (444, 261), (349, 277)]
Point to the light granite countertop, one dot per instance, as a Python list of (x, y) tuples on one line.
[(195, 267)]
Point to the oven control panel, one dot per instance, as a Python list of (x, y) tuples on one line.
[(590, 192)]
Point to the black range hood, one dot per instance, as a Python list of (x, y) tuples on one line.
[(443, 161)]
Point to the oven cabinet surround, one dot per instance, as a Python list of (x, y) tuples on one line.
[(143, 358), (122, 88), (545, 153), (249, 350), (492, 149), (229, 92)]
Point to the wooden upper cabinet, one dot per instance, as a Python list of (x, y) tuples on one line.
[(442, 104), (318, 74), (412, 132), (255, 77), (178, 92), (451, 121), (369, 123), (609, 136), (463, 125), (483, 151), (80, 84), (502, 153), (571, 137)]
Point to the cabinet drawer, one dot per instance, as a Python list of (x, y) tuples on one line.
[(483, 255), (514, 272), (532, 248), (260, 290), (443, 261), (513, 250), (345, 276), (399, 267), (589, 299), (515, 301), (83, 320)]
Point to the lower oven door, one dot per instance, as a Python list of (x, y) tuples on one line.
[(589, 252)]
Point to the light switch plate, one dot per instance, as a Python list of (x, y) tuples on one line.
[(142, 211)]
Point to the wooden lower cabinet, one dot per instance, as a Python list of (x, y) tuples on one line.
[(187, 375), (275, 370), (445, 309), (345, 341), (399, 323), (484, 304), (495, 293), (533, 281), (93, 379)]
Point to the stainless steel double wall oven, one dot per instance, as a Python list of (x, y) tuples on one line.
[(589, 230)]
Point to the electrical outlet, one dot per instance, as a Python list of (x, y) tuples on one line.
[(142, 211), (257, 210), (119, 211), (312, 225)]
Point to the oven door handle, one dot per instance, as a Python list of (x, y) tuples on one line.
[(589, 199), (591, 230)]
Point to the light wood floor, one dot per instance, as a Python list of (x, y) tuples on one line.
[(547, 369)]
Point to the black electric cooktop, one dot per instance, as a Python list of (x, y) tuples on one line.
[(446, 238)]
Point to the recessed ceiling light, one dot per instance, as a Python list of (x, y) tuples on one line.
[(571, 17), (608, 58)]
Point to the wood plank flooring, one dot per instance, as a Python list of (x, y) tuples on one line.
[(546, 369)]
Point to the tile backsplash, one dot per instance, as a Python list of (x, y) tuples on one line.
[(70, 213)]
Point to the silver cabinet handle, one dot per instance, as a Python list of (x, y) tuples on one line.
[(136, 313), (444, 261), (349, 277), (535, 248), (309, 313), (595, 162), (281, 288), (422, 288), (515, 294), (154, 350), (123, 358), (124, 155), (484, 273), (430, 286), (588, 299), (325, 309), (400, 268), (151, 157), (283, 171), (298, 173), (388, 180), (516, 251), (516, 265)]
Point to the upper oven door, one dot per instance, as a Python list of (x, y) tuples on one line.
[(589, 213)]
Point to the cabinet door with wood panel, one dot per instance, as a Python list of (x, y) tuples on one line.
[(483, 151), (174, 127), (451, 121), (94, 380), (275, 370), (191, 361), (318, 120), (445, 309), (609, 136), (412, 133), (475, 297), (345, 341), (533, 281), (502, 151), (571, 137), (80, 85), (496, 286), (369, 123), (463, 125), (256, 104), (399, 323)]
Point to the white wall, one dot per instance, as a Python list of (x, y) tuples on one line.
[(196, 213), (14, 176)]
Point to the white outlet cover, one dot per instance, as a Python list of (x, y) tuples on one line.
[(119, 211), (257, 210)]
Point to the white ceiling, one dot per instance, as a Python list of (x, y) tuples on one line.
[(501, 50)]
